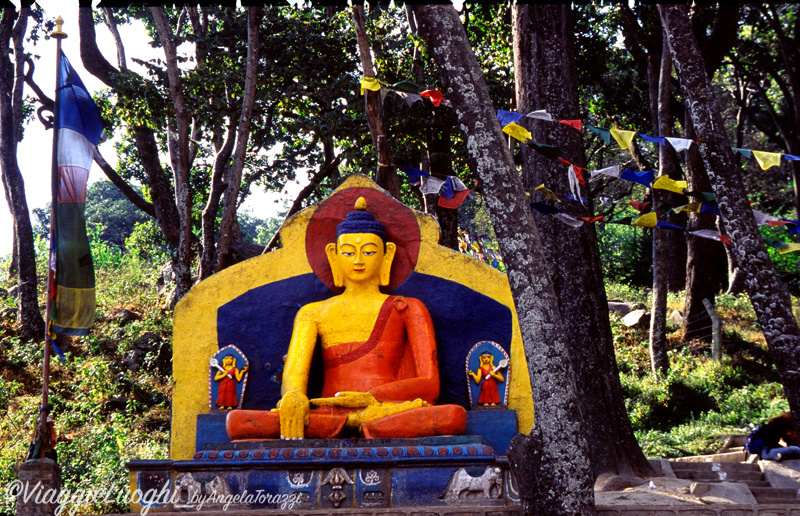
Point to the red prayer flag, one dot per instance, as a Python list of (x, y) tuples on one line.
[(592, 220), (639, 206), (725, 240), (434, 95), (456, 201), (578, 170), (778, 222), (575, 124)]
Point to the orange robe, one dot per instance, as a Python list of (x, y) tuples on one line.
[(397, 363)]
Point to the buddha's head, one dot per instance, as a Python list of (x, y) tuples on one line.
[(487, 359), (228, 361), (360, 254)]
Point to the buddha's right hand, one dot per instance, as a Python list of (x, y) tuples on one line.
[(293, 411)]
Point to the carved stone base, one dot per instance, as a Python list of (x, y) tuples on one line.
[(336, 474)]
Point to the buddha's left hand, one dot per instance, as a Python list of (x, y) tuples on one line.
[(348, 399)]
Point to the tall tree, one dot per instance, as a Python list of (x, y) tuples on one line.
[(12, 83), (768, 294), (546, 78), (768, 64), (551, 464)]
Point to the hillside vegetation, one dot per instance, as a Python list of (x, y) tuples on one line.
[(111, 396)]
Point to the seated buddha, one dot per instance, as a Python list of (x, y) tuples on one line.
[(381, 376)]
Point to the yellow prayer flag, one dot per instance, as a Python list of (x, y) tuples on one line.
[(665, 183), (790, 248), (624, 138), (691, 208), (648, 220), (517, 131), (550, 195), (371, 84), (767, 159)]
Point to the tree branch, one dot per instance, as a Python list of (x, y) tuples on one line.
[(123, 186), (303, 195)]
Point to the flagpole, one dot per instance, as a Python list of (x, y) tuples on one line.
[(58, 34)]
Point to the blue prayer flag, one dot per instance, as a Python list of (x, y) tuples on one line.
[(643, 178), (654, 139), (507, 117)]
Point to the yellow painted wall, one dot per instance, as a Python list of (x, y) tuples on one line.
[(195, 323)]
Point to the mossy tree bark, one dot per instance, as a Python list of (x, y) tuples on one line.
[(546, 79), (11, 86), (552, 463), (768, 294)]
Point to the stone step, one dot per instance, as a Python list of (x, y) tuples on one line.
[(712, 466), (773, 501), (728, 476), (750, 483), (775, 493)]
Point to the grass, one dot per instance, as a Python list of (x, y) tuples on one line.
[(105, 414), (700, 400)]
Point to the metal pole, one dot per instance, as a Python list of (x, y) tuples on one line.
[(45, 410)]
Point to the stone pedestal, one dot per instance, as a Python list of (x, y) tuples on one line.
[(39, 484), (360, 474)]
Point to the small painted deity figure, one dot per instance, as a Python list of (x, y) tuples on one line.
[(489, 375), (227, 376)]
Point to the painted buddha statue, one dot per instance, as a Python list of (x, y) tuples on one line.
[(379, 355)]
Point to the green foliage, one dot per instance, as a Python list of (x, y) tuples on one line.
[(626, 254), (699, 400), (104, 413)]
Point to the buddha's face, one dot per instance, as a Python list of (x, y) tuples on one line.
[(486, 360), (360, 256), (228, 362)]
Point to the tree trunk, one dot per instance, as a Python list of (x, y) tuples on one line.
[(166, 211), (659, 361), (557, 478), (705, 259), (179, 155), (10, 89), (387, 174), (234, 179), (546, 79), (768, 294)]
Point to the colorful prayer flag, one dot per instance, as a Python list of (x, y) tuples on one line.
[(434, 95), (543, 208), (680, 144), (665, 183), (602, 132), (747, 153), (370, 83), (653, 139), (547, 192), (789, 248), (507, 117), (648, 220), (612, 171), (549, 151), (541, 114), (413, 174), (575, 124), (517, 131), (623, 138), (454, 202), (767, 159), (78, 129), (643, 178)]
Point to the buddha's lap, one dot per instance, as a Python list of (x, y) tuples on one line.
[(325, 424)]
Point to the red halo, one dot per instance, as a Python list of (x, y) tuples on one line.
[(399, 220)]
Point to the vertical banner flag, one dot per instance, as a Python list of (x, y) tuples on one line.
[(78, 129)]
